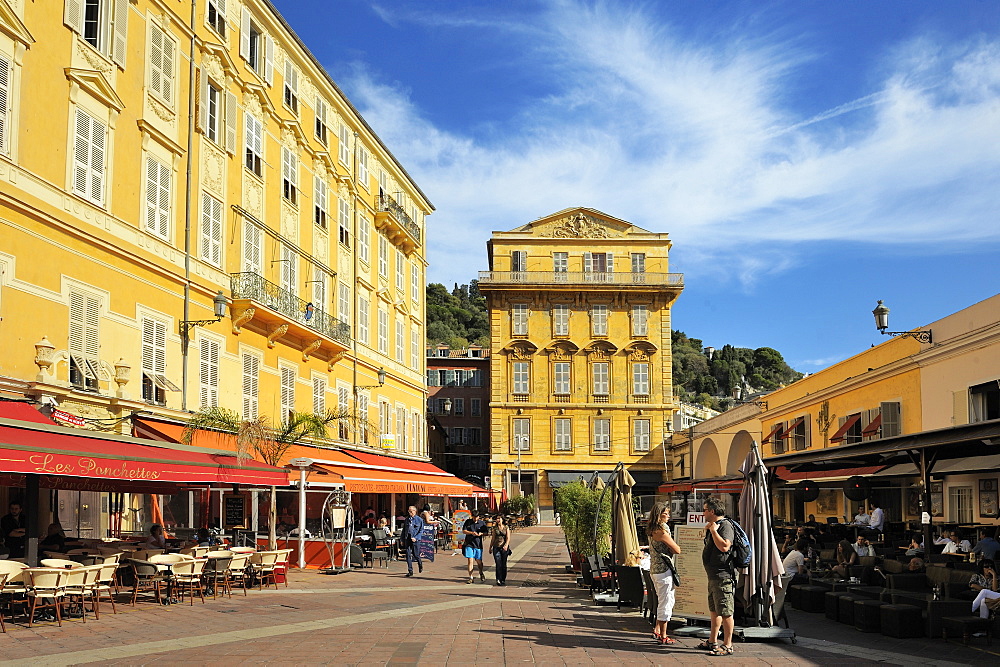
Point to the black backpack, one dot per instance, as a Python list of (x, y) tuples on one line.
[(740, 553)]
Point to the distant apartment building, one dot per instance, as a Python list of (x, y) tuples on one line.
[(458, 398)]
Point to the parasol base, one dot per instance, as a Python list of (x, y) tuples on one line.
[(606, 598), (765, 633)]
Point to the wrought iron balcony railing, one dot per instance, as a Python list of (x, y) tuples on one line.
[(625, 278), (256, 288), (390, 205)]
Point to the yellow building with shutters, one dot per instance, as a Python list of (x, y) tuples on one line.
[(581, 379), (154, 155)]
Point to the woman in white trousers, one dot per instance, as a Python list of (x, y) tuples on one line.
[(662, 568), (987, 582)]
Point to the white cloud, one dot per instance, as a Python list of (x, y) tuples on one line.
[(694, 139)]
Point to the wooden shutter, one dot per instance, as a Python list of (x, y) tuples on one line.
[(319, 395), (157, 197), (611, 262), (73, 15), (156, 59), (245, 35), (268, 59), (89, 154), (807, 424), (119, 32), (232, 108), (6, 80), (209, 373), (252, 252), (891, 419), (287, 392), (211, 229)]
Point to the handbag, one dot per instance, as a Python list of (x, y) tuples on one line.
[(673, 569)]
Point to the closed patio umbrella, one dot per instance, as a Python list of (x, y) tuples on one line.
[(763, 576), (625, 533)]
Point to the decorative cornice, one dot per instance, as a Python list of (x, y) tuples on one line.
[(94, 83)]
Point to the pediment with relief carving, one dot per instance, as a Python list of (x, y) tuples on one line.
[(579, 223)]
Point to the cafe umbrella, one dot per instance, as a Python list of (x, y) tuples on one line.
[(763, 576)]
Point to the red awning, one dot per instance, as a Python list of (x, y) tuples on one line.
[(784, 473), (842, 431), (56, 451), (873, 427), (771, 434), (22, 411), (791, 427), (366, 479), (674, 487), (710, 485)]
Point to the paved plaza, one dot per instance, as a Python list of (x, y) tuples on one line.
[(378, 616)]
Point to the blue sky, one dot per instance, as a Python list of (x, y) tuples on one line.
[(807, 158)]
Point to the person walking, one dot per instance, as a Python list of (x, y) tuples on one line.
[(719, 536), (474, 530), (662, 569), (500, 548), (413, 528)]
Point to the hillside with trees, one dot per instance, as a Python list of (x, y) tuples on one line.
[(459, 318)]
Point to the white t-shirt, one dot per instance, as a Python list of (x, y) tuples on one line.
[(877, 519), (795, 562), (962, 547)]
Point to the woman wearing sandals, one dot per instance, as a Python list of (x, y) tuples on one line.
[(662, 569)]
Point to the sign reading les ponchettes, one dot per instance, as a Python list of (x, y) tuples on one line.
[(54, 464)]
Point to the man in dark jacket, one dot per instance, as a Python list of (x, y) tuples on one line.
[(14, 531), (413, 528)]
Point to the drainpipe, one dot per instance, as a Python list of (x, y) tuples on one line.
[(185, 341), (354, 310)]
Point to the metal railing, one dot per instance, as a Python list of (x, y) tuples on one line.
[(256, 288), (576, 277), (390, 205)]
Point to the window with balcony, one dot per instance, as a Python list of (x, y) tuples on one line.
[(521, 377), (560, 320), (600, 378), (289, 270), (640, 378), (640, 320), (560, 263), (599, 320), (253, 248), (638, 262), (598, 266), (564, 434), (602, 435), (561, 378), (519, 319), (519, 260)]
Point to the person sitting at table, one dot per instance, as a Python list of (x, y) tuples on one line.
[(55, 539), (987, 595), (206, 539), (955, 545), (812, 521), (157, 539), (916, 547), (877, 522), (863, 547), (980, 580), (383, 524), (846, 557), (986, 545), (800, 533), (862, 518), (795, 562), (369, 518), (915, 566)]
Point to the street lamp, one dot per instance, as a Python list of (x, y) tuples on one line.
[(219, 304), (447, 406), (881, 314), (381, 382)]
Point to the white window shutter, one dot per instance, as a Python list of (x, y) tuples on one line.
[(98, 147), (588, 262), (6, 77), (245, 35), (251, 370), (231, 111), (152, 196), (202, 101), (81, 153), (73, 15), (252, 254), (119, 37), (611, 262), (268, 59), (164, 191)]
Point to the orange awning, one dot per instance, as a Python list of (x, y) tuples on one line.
[(841, 433), (365, 479)]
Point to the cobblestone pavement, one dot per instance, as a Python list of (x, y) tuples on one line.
[(378, 616)]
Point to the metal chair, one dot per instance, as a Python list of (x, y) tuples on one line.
[(148, 577), (216, 572)]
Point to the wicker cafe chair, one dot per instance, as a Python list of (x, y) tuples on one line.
[(284, 556), (264, 562), (216, 572), (148, 578), (14, 589), (4, 576), (187, 576), (46, 583), (238, 570), (106, 580), (79, 584)]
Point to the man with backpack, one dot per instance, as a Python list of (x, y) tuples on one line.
[(717, 559)]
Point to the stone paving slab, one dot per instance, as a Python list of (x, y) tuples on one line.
[(380, 617)]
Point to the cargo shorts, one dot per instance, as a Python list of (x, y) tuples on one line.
[(720, 593)]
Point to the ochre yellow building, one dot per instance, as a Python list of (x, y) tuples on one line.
[(151, 158), (579, 306)]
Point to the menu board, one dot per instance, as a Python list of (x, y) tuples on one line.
[(691, 597), (235, 511)]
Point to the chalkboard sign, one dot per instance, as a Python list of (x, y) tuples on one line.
[(235, 511)]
